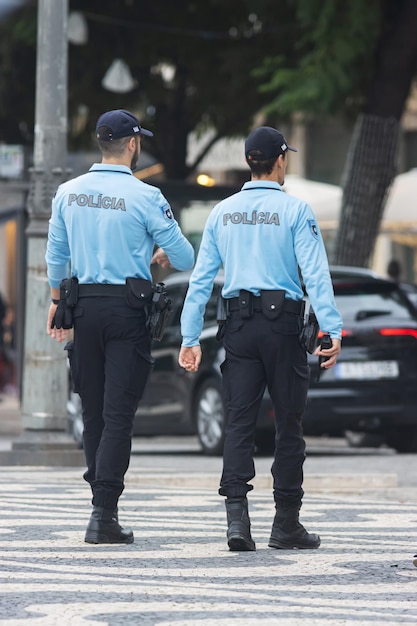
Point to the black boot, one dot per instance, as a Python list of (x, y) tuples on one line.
[(288, 533), (238, 531), (104, 527)]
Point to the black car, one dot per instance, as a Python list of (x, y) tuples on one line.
[(372, 388)]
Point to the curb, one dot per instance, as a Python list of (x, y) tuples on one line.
[(342, 483), (137, 477)]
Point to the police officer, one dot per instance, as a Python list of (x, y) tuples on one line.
[(104, 223), (262, 236)]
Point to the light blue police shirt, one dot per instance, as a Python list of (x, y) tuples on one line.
[(261, 236), (106, 223)]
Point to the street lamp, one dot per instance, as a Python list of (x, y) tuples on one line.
[(118, 78)]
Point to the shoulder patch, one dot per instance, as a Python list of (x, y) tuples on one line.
[(167, 212), (312, 225)]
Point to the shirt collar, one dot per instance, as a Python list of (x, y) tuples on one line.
[(261, 184), (107, 167)]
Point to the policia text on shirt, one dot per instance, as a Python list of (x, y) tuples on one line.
[(97, 202)]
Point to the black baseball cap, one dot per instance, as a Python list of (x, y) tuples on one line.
[(117, 124), (265, 143)]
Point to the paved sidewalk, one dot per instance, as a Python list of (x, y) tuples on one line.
[(179, 570)]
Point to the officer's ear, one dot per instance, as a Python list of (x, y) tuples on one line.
[(280, 162), (132, 143)]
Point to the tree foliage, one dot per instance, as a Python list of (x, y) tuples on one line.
[(211, 49), (356, 58), (17, 75), (331, 64)]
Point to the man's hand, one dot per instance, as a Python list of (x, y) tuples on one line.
[(331, 353), (190, 358), (60, 334), (161, 258)]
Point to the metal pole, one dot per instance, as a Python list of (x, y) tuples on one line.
[(45, 379)]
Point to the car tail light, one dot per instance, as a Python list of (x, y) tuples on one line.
[(390, 332)]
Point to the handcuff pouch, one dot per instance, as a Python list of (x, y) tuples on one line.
[(272, 303), (138, 292)]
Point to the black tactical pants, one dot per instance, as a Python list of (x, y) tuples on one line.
[(262, 353), (111, 363)]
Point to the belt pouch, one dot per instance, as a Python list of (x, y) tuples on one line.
[(68, 298), (69, 290), (221, 309), (245, 304), (138, 292), (272, 303)]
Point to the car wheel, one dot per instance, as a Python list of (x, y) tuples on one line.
[(403, 439), (210, 416)]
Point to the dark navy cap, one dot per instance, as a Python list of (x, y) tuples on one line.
[(265, 143), (117, 124)]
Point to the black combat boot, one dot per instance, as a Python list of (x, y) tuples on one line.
[(288, 533), (238, 531), (104, 527)]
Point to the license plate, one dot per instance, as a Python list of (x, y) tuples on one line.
[(366, 370)]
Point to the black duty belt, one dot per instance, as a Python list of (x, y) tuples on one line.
[(291, 306), (101, 289)]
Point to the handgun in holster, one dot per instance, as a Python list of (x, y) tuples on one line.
[(309, 332), (160, 311)]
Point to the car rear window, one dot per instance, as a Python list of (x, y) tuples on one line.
[(360, 300)]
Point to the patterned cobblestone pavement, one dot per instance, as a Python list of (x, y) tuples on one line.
[(179, 570)]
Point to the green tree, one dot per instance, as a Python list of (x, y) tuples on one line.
[(371, 163), (17, 74), (358, 58), (210, 48)]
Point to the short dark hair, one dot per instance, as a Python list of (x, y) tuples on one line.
[(114, 148), (261, 168)]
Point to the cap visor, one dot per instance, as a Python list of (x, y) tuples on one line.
[(292, 149), (148, 133)]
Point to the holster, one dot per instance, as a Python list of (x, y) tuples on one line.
[(309, 332), (221, 316), (160, 311), (68, 290), (138, 292)]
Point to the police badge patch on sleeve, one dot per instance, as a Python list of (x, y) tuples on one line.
[(167, 211), (313, 228)]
